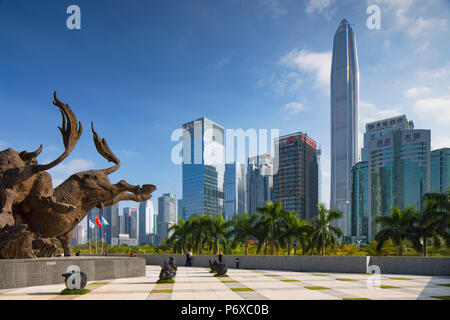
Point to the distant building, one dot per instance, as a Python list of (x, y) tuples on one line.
[(259, 186), (359, 201), (234, 189), (399, 172), (440, 170), (167, 215), (111, 214), (295, 184), (146, 222), (203, 168), (131, 222), (124, 240), (77, 234)]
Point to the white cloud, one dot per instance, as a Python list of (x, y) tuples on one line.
[(293, 108), (318, 5), (422, 26), (436, 73), (439, 142), (3, 144), (223, 61), (422, 47), (72, 166), (272, 7), (316, 63), (436, 109), (416, 91)]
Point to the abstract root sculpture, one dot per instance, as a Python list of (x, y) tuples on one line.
[(33, 214), (218, 267), (168, 271)]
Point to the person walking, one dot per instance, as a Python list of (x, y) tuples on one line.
[(220, 255), (189, 260)]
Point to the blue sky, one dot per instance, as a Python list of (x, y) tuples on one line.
[(140, 69)]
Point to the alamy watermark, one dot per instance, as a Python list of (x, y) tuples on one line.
[(374, 20)]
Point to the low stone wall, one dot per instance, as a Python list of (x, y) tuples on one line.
[(429, 266), (294, 263), (17, 273)]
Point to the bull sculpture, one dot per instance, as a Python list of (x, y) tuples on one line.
[(33, 214)]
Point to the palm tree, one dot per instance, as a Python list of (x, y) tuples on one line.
[(180, 236), (289, 225), (260, 232), (303, 234), (271, 215), (397, 226), (323, 231), (430, 221), (220, 231), (242, 227), (441, 204)]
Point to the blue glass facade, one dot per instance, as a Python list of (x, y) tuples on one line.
[(344, 119), (359, 200), (259, 181), (203, 168), (440, 170), (399, 172), (234, 189)]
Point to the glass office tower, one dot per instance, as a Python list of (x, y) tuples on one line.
[(234, 189), (399, 172), (359, 200), (296, 184), (167, 215), (203, 167), (259, 181), (440, 170), (344, 120)]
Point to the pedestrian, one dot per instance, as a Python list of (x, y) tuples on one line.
[(187, 257), (220, 256), (189, 262), (78, 253), (131, 253)]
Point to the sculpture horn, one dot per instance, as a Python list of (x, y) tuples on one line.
[(71, 130), (27, 156)]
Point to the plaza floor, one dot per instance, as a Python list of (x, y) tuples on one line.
[(193, 283)]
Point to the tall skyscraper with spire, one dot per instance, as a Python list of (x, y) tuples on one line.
[(344, 120)]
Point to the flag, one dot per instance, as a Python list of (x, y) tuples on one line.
[(91, 224), (97, 221), (105, 222)]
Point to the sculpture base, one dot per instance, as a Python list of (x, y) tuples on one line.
[(17, 273)]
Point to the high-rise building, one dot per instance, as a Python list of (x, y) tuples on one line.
[(359, 201), (203, 167), (376, 129), (167, 214), (295, 184), (259, 181), (440, 170), (234, 189), (344, 119), (77, 234), (399, 172), (111, 214), (131, 222), (146, 222)]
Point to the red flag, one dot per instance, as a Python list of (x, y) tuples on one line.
[(97, 221)]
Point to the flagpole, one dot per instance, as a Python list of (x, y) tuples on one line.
[(101, 230)]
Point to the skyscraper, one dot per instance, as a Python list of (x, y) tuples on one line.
[(440, 170), (234, 189), (146, 222), (131, 222), (167, 214), (399, 172), (203, 167), (259, 181), (296, 184), (344, 119), (111, 214), (359, 201)]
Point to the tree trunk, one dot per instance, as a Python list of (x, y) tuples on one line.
[(295, 247), (246, 246), (424, 246), (289, 248), (400, 249), (323, 245)]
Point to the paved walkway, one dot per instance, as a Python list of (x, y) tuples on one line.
[(192, 283)]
